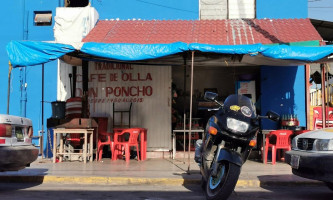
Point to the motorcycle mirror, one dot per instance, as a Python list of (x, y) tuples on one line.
[(273, 116), (210, 96)]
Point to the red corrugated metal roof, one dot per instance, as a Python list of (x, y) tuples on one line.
[(219, 32)]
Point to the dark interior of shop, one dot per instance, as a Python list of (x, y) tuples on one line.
[(221, 80), (76, 3)]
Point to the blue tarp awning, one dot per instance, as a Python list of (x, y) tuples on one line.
[(28, 53)]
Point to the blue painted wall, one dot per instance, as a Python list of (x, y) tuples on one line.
[(17, 24), (17, 16), (283, 91), (147, 9), (281, 9), (282, 88)]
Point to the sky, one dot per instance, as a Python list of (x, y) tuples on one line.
[(321, 9)]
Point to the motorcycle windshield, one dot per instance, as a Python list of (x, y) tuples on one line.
[(240, 104)]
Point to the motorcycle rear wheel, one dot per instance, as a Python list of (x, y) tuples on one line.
[(221, 186)]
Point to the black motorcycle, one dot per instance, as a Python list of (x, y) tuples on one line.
[(228, 139)]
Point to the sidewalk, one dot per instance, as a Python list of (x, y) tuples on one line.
[(150, 171)]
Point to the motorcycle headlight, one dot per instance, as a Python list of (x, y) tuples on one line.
[(324, 145), (237, 125)]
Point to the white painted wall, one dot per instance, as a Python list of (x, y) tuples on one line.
[(239, 9), (227, 9), (109, 82), (213, 9)]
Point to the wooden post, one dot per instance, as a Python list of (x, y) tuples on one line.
[(8, 89), (323, 95), (190, 121)]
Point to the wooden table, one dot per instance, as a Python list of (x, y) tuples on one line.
[(182, 131), (84, 131), (143, 140), (75, 123)]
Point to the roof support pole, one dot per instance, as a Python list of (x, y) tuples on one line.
[(190, 122), (42, 111), (307, 93), (74, 80), (85, 76), (8, 89), (327, 93), (184, 89), (323, 95)]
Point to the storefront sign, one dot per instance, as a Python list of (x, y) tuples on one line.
[(112, 82)]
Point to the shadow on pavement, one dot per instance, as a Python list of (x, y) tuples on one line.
[(32, 176), (286, 180)]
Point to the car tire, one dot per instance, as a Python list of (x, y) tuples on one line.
[(329, 185)]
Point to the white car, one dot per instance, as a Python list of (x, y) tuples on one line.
[(312, 155), (16, 149)]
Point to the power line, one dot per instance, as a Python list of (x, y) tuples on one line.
[(320, 7), (155, 4)]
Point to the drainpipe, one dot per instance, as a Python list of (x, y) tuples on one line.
[(23, 72), (307, 93), (61, 3), (23, 88)]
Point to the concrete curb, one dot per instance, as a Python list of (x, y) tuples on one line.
[(141, 181)]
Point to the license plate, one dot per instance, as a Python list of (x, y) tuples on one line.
[(294, 162)]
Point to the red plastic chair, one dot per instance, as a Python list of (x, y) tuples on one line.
[(318, 117), (279, 139), (104, 138), (132, 141)]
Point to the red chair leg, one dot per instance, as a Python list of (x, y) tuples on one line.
[(127, 153), (114, 152), (100, 152), (273, 155), (111, 148), (279, 154), (137, 152)]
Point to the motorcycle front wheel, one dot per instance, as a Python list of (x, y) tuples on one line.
[(222, 185), (329, 185)]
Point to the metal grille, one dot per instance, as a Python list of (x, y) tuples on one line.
[(305, 143)]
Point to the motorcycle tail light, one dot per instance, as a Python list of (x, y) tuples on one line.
[(212, 130), (253, 143)]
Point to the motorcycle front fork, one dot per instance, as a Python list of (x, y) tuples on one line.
[(215, 164)]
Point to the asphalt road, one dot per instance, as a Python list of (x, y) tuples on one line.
[(10, 191)]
